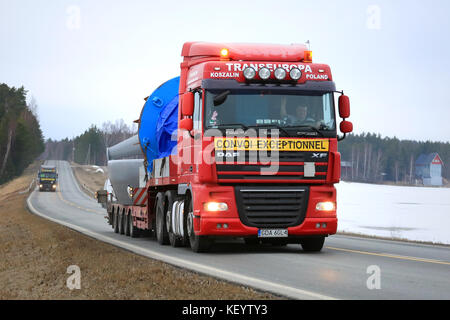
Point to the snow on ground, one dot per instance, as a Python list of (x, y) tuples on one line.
[(412, 213)]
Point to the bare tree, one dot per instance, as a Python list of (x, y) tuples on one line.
[(378, 164), (357, 163), (114, 133), (365, 161), (33, 106), (353, 162), (411, 169), (11, 131)]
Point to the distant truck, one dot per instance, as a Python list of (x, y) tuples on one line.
[(47, 178)]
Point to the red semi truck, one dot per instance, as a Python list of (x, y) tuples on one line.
[(256, 154)]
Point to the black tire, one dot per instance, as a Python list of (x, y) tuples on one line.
[(174, 240), (116, 221), (198, 243), (127, 224), (162, 236), (121, 224), (134, 232), (313, 244)]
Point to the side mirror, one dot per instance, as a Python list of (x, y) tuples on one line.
[(346, 127), (187, 106), (186, 124), (344, 106)]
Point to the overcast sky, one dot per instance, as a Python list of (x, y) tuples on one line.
[(86, 62)]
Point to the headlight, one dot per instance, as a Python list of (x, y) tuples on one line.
[(54, 186), (215, 206), (264, 73), (249, 73), (40, 186), (280, 73), (326, 206), (295, 73)]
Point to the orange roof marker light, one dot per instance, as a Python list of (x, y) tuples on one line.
[(307, 56), (224, 54)]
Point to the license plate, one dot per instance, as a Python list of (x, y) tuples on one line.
[(272, 233)]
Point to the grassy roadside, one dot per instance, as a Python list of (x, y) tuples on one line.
[(88, 177), (36, 254)]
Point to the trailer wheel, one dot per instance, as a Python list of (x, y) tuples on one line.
[(313, 244), (198, 243), (116, 221), (121, 220), (162, 235), (133, 231), (127, 224)]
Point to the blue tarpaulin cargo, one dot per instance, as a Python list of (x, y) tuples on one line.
[(159, 122)]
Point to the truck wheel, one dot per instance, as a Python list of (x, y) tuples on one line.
[(162, 235), (116, 221), (198, 243), (174, 240), (313, 244)]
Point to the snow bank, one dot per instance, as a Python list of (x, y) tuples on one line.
[(413, 213)]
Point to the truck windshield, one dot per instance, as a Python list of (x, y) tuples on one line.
[(226, 108), (47, 175)]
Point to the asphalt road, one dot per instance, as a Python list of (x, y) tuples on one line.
[(347, 267)]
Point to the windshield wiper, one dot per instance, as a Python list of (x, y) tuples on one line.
[(231, 124), (307, 127), (323, 126), (271, 125)]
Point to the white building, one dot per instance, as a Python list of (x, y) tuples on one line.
[(429, 169)]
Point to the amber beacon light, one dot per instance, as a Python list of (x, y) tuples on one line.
[(307, 56), (224, 53)]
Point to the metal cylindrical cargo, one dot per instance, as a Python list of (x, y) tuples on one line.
[(125, 173), (125, 149)]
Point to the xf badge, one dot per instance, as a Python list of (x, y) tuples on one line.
[(319, 155)]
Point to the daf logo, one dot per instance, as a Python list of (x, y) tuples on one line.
[(319, 155), (228, 154)]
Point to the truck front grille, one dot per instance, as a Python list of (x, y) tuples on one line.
[(288, 167), (271, 207)]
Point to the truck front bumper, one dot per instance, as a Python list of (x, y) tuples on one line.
[(234, 227), (229, 222)]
